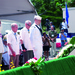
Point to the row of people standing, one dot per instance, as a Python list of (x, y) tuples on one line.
[(31, 41)]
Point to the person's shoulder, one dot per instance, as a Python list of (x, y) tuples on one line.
[(62, 23), (49, 31), (10, 34), (33, 27), (65, 33), (23, 29), (66, 23)]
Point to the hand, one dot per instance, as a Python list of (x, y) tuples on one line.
[(52, 40), (13, 53), (21, 41), (68, 26), (62, 33), (24, 50)]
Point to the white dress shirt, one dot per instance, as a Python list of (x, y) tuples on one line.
[(64, 25), (24, 35), (13, 42)]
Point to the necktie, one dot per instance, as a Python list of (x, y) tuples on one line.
[(28, 31), (39, 29), (15, 36)]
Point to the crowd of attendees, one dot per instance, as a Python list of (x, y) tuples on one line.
[(29, 43)]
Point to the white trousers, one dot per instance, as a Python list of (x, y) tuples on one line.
[(38, 52)]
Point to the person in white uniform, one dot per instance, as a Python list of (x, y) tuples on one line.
[(1, 44), (25, 41), (36, 37), (13, 41)]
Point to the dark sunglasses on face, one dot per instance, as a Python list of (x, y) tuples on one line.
[(28, 25)]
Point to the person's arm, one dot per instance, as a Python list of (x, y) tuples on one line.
[(43, 39), (49, 42), (63, 35), (23, 47), (67, 26), (60, 35), (55, 37), (5, 52), (13, 53), (21, 40)]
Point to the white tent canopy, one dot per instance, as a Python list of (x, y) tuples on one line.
[(16, 10)]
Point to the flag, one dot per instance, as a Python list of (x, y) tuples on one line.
[(67, 14)]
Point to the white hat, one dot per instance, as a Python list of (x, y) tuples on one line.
[(37, 17)]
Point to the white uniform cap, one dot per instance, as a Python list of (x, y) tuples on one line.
[(37, 17)]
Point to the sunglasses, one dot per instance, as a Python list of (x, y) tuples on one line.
[(28, 25)]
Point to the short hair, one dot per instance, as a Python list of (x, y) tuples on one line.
[(37, 17), (27, 21), (51, 22), (44, 33), (63, 19), (62, 28), (13, 24)]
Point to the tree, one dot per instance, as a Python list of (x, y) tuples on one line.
[(51, 9)]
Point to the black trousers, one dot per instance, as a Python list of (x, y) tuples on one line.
[(28, 55)]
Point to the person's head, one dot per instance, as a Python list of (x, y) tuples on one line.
[(62, 30), (37, 19), (51, 23), (63, 19), (27, 24), (5, 40), (52, 28), (44, 34), (14, 27)]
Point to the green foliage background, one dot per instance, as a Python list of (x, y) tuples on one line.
[(52, 10)]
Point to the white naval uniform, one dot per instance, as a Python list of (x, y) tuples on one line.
[(36, 40)]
